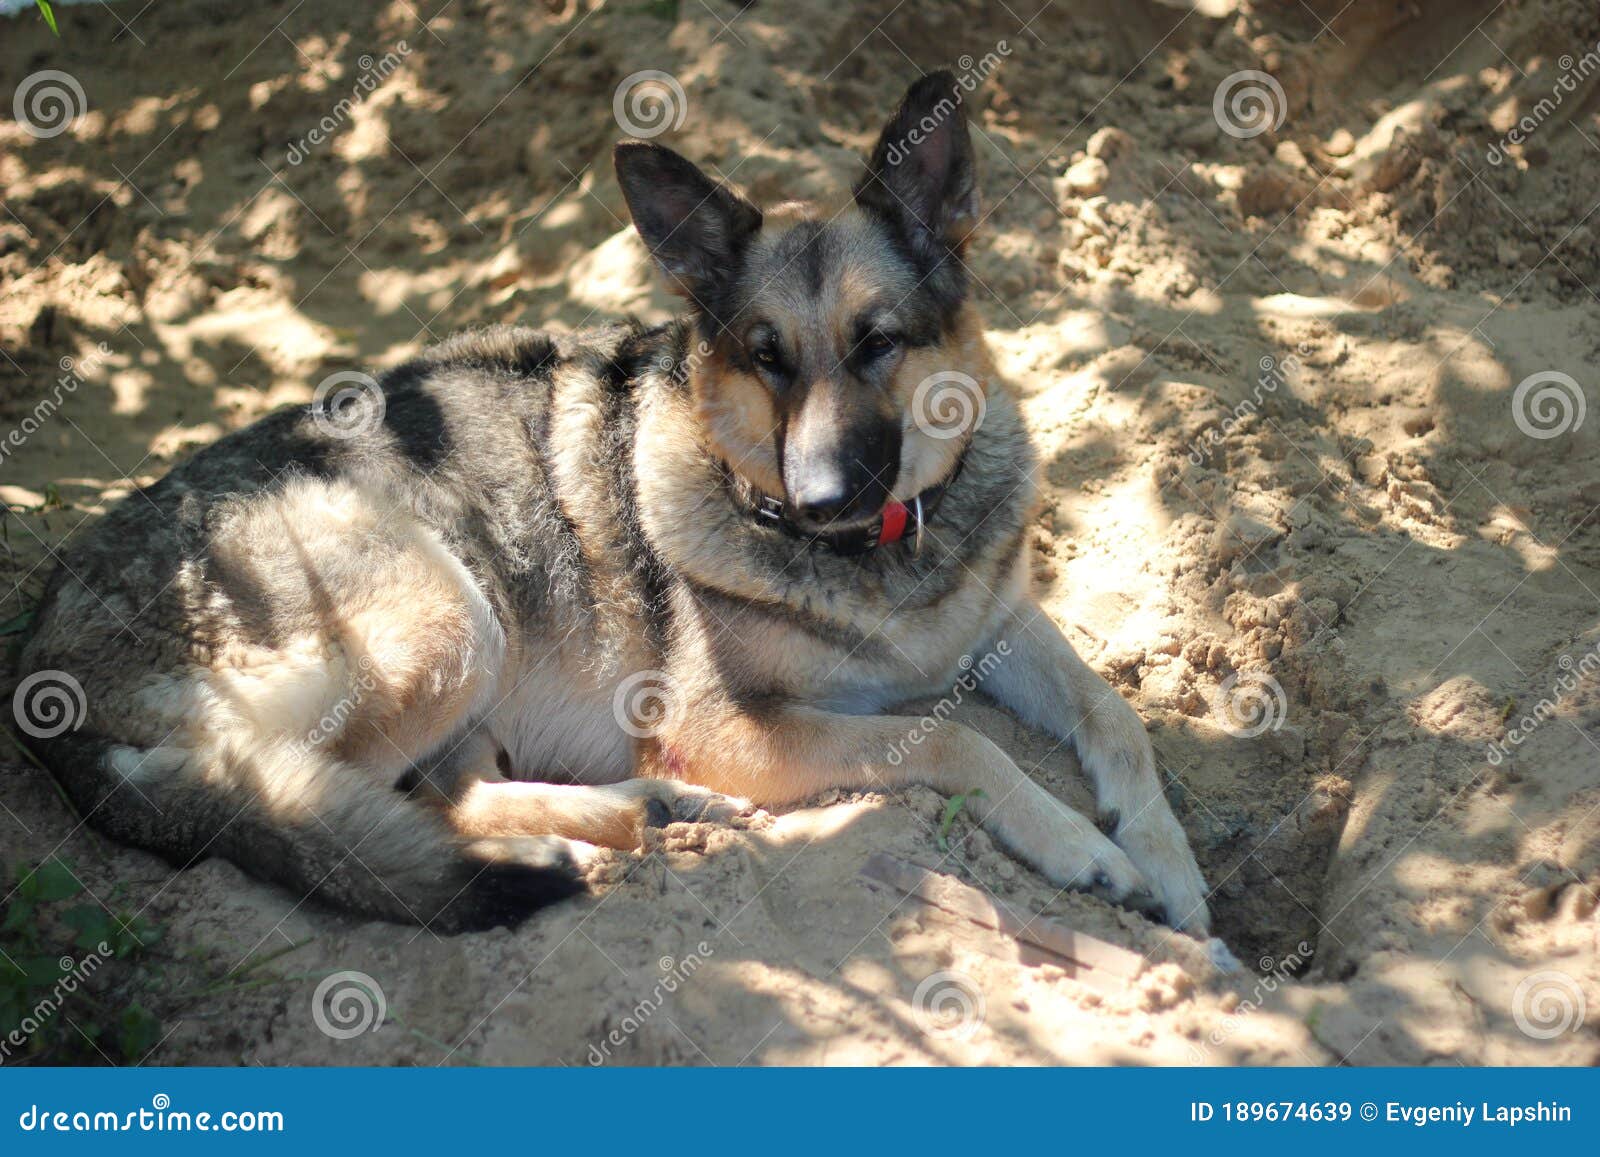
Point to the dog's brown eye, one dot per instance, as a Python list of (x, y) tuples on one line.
[(877, 344), (766, 357)]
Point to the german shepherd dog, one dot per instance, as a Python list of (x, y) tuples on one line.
[(415, 650)]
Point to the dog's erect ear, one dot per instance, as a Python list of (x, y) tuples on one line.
[(693, 226), (921, 175)]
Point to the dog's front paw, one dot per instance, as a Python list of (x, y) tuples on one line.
[(1088, 862), (669, 801), (1156, 843)]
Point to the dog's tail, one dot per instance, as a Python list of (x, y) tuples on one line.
[(322, 828)]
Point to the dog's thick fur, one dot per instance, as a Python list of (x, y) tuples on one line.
[(385, 662)]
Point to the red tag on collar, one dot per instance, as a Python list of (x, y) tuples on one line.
[(894, 523)]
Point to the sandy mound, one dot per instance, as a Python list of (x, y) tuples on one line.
[(1297, 508)]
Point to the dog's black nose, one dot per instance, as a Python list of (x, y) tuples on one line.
[(832, 489), (820, 505), (835, 468)]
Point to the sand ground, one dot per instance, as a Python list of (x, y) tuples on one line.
[(1275, 376)]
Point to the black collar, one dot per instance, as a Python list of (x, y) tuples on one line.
[(898, 522)]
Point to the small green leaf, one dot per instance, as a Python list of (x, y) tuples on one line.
[(19, 914), (1314, 1018), (951, 810), (137, 1032), (93, 923), (17, 624), (85, 916), (131, 935), (41, 971), (12, 1008), (49, 16), (51, 880)]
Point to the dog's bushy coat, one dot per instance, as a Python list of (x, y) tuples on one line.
[(377, 655)]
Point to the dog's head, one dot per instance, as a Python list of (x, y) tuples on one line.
[(833, 346)]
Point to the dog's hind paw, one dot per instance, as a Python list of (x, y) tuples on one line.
[(504, 881)]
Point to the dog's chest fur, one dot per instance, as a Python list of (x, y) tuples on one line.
[(677, 576)]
